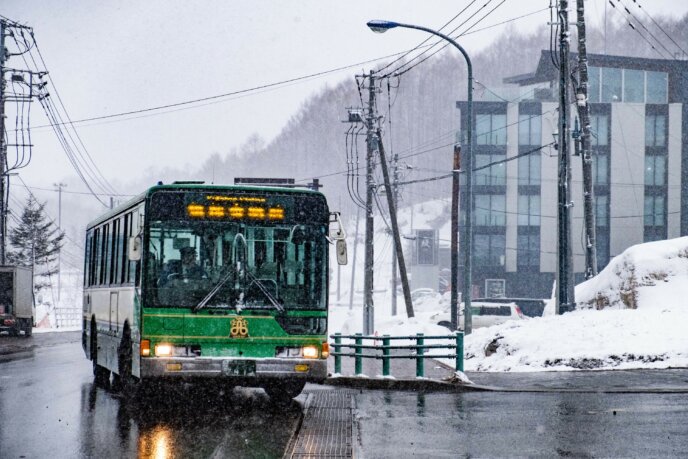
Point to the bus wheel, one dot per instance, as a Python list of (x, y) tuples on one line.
[(124, 380), (283, 393), (101, 376)]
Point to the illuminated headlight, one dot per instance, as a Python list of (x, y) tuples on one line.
[(163, 350), (310, 352)]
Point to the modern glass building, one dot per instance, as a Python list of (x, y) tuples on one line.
[(639, 122)]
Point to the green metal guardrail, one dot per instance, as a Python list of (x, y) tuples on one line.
[(384, 352)]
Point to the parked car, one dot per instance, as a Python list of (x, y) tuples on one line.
[(483, 315)]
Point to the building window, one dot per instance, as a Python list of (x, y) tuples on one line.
[(655, 130), (654, 214), (493, 175), (599, 127), (634, 86), (530, 129), (602, 248), (490, 210), (490, 129), (593, 84), (489, 249), (528, 251), (529, 169), (611, 84), (655, 170), (657, 87), (600, 169), (529, 210), (602, 210)]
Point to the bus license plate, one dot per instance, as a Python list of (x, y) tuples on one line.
[(238, 367)]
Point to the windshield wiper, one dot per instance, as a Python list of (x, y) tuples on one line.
[(275, 302), (214, 290)]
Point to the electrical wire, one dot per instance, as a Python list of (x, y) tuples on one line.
[(401, 70), (685, 53), (403, 56)]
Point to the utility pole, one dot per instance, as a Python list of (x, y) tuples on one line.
[(454, 304), (59, 226), (586, 156), (395, 197), (565, 291), (395, 229), (353, 263), (3, 146), (371, 120)]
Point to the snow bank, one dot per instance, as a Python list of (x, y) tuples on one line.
[(632, 315)]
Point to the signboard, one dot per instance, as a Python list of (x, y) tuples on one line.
[(495, 288)]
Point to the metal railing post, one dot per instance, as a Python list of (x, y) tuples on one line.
[(359, 354), (419, 355), (459, 351), (337, 350), (385, 355)]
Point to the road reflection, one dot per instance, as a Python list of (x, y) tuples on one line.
[(189, 421)]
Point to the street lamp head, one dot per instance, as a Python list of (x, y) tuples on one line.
[(380, 26)]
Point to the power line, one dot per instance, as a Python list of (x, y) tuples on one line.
[(427, 39), (399, 70), (660, 27)]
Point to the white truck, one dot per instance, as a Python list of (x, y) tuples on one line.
[(17, 309)]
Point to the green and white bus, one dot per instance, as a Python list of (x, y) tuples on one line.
[(191, 281)]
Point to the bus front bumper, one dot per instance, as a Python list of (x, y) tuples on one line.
[(312, 370)]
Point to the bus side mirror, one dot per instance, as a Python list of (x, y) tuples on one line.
[(134, 248), (340, 246)]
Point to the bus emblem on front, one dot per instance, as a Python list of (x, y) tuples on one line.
[(239, 328)]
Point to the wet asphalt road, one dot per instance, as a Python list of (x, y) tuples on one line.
[(50, 408), (492, 424)]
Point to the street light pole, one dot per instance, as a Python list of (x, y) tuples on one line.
[(380, 26)]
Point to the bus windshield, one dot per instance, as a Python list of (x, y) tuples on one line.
[(234, 248), (235, 265)]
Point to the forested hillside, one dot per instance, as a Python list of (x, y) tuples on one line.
[(423, 116)]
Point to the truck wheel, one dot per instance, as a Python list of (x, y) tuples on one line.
[(101, 375), (28, 327)]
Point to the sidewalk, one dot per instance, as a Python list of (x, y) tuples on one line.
[(438, 377)]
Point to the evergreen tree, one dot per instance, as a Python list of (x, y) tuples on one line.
[(36, 243)]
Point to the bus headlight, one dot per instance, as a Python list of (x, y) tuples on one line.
[(310, 352), (163, 350)]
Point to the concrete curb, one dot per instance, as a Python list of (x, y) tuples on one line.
[(431, 385), (415, 385)]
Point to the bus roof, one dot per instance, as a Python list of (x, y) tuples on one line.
[(194, 187)]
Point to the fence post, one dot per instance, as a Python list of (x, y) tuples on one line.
[(359, 354), (337, 350), (419, 355), (459, 351), (385, 355)]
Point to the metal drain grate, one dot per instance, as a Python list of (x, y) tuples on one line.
[(327, 427)]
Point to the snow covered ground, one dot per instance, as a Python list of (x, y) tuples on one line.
[(632, 315)]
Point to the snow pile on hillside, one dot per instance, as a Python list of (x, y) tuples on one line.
[(653, 275), (642, 296)]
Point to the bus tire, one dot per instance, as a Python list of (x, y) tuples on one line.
[(101, 375), (124, 381), (282, 393)]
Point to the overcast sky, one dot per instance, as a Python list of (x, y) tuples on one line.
[(125, 55)]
